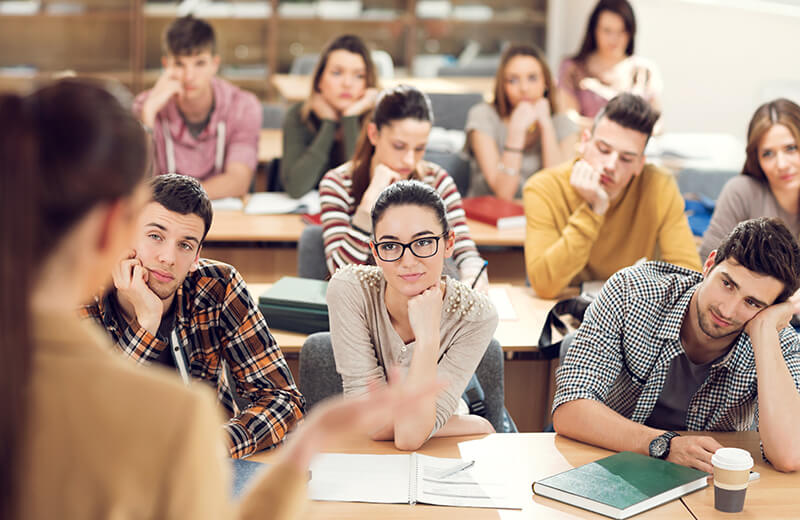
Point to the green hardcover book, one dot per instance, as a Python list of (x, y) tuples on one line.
[(622, 485), (296, 304)]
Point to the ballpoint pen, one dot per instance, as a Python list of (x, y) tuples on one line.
[(455, 469), (483, 268)]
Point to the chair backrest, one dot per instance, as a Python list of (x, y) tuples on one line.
[(450, 110), (304, 64), (311, 254), (319, 378), (273, 114), (454, 164), (485, 66)]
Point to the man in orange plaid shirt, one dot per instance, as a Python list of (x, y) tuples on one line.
[(170, 307)]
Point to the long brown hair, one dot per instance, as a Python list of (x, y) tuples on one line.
[(778, 112), (68, 147), (620, 7), (345, 42), (393, 104), (501, 103)]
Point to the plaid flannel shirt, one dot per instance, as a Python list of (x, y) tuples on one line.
[(631, 333), (227, 343)]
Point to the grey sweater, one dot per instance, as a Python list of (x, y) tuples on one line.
[(364, 340), (743, 198)]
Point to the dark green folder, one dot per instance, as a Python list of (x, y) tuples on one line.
[(622, 485), (296, 304)]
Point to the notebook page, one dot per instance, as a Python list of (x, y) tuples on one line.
[(345, 477), (460, 489)]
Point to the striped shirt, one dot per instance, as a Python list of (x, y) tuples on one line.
[(227, 343), (346, 244), (629, 337)]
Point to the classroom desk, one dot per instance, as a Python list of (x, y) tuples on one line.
[(264, 247), (294, 88), (270, 144), (522, 457)]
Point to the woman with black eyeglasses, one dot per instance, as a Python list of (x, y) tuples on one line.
[(390, 149), (404, 312)]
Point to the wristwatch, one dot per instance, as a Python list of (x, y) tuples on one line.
[(659, 447)]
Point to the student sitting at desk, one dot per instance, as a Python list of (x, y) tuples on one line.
[(605, 65), (588, 218), (196, 316), (663, 348), (85, 434), (769, 185), (404, 312), (321, 132), (390, 149), (202, 126), (520, 132)]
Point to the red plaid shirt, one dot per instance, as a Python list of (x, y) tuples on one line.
[(227, 343)]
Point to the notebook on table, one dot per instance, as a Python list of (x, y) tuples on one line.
[(622, 485), (296, 304), (403, 479)]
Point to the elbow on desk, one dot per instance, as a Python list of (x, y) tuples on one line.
[(786, 464), (409, 443)]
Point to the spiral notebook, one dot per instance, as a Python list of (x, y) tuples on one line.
[(404, 479)]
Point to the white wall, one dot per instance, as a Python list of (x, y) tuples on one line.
[(716, 56)]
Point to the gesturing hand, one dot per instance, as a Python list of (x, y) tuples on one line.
[(585, 179), (130, 280)]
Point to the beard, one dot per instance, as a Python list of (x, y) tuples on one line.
[(711, 329)]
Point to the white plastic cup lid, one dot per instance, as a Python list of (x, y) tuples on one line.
[(732, 459)]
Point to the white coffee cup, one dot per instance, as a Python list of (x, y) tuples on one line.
[(731, 475)]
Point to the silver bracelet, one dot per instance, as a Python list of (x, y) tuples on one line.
[(506, 170)]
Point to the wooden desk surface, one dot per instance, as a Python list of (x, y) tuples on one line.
[(294, 88), (522, 457), (236, 226), (518, 335), (774, 496), (270, 144)]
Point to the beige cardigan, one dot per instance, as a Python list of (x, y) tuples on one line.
[(109, 439)]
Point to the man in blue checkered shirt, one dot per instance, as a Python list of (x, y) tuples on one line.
[(664, 348)]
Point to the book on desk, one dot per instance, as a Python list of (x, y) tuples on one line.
[(622, 485), (503, 214), (296, 304)]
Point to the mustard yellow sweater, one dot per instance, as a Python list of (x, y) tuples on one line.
[(566, 242)]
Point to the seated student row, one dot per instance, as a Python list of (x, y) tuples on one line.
[(205, 127), (101, 225)]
